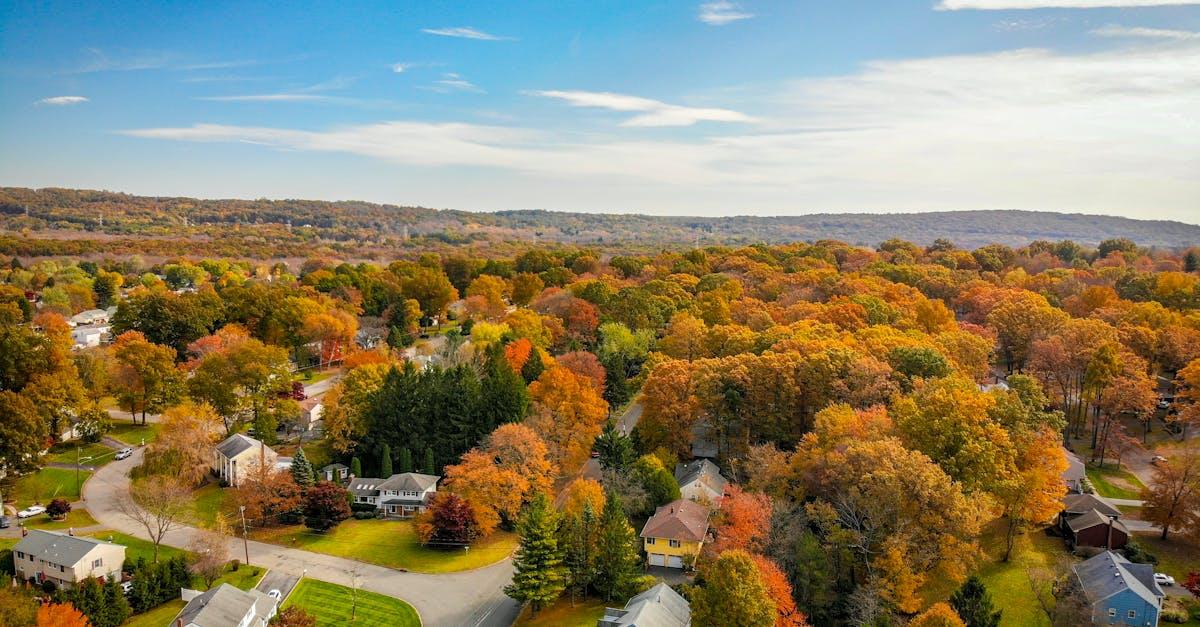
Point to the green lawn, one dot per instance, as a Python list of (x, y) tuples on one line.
[(137, 547), (78, 517), (8, 543), (1114, 483), (208, 501), (132, 434), (1176, 555), (1010, 583), (65, 454), (391, 543), (47, 484), (244, 578), (584, 613), (156, 617), (331, 604)]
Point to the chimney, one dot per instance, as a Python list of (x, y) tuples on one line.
[(1108, 541)]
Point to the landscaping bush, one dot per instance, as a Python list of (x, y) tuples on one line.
[(58, 509), (362, 507), (362, 515), (1135, 553), (6, 562), (1173, 615), (49, 587)]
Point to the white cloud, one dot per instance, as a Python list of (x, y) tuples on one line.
[(451, 82), (1115, 30), (465, 32), (59, 101), (996, 5), (721, 12), (652, 112), (1111, 131)]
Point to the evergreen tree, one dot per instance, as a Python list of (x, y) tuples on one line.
[(385, 462), (1191, 261), (540, 575), (302, 470), (616, 378), (533, 366), (406, 464), (618, 563), (116, 608), (428, 467), (503, 394), (615, 448), (973, 604), (579, 555), (355, 467)]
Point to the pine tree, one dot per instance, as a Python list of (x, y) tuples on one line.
[(302, 470), (618, 563), (615, 448), (355, 467), (503, 394), (533, 366), (540, 575), (973, 604), (385, 462), (428, 465), (116, 608), (1191, 261), (406, 460), (579, 547)]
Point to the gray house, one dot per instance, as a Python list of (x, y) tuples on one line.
[(700, 480), (659, 606), (226, 606), (402, 495), (1119, 591)]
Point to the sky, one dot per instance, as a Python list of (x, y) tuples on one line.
[(679, 108)]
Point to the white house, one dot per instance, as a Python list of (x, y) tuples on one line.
[(91, 316), (401, 495), (65, 559), (90, 335), (311, 412), (234, 458), (227, 606), (700, 480)]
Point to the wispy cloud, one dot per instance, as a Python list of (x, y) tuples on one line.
[(59, 101), (651, 112), (120, 60), (451, 82), (465, 32), (997, 5), (281, 97), (405, 66), (721, 12), (1010, 26), (1137, 32)]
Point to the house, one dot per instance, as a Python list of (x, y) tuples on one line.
[(227, 606), (400, 496), (90, 316), (1075, 474), (65, 559), (311, 411), (674, 534), (660, 606), (89, 335), (336, 473), (237, 455), (1119, 591), (700, 480), (1085, 521)]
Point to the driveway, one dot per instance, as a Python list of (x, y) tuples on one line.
[(322, 386), (277, 580), (473, 598)]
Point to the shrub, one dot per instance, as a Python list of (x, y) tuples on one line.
[(234, 565), (1135, 553), (49, 587), (58, 509), (1173, 615), (362, 515)]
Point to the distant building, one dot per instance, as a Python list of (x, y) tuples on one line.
[(90, 335), (399, 496), (1118, 591), (227, 606), (311, 412), (238, 454), (700, 480), (337, 473), (675, 533), (91, 316), (660, 606), (1087, 520), (65, 559)]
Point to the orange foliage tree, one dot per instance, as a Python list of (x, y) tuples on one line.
[(568, 413)]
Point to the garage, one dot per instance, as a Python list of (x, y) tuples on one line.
[(674, 561), (657, 559)]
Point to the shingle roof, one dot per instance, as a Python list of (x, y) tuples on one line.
[(58, 548), (678, 520), (335, 467), (409, 482), (225, 605), (1109, 573), (364, 486), (237, 444), (1093, 518), (1081, 503), (702, 471), (660, 606)]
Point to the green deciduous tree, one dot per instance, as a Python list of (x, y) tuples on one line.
[(733, 594)]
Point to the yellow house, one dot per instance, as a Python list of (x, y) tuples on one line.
[(674, 535)]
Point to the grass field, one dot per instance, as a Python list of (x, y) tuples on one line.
[(391, 543), (1010, 583), (132, 434), (585, 613), (137, 547), (78, 517), (47, 484), (156, 617), (331, 605), (65, 454), (1114, 483), (209, 501), (244, 578)]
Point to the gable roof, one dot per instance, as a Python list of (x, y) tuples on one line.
[(225, 605), (1093, 518), (701, 471), (59, 548), (335, 467), (660, 606), (678, 520), (237, 444), (310, 402), (1082, 503), (1110, 573), (409, 482)]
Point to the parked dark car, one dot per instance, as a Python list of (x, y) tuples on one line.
[(5, 523)]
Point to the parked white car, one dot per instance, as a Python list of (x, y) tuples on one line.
[(1164, 579), (31, 511), (275, 594), (123, 453)]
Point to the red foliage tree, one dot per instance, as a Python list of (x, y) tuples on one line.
[(325, 505), (584, 364), (743, 522), (449, 520)]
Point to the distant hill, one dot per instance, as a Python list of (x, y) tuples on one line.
[(381, 226)]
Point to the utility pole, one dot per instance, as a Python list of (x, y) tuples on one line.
[(77, 465), (245, 541)]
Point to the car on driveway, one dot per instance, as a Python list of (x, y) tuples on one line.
[(1157, 459), (275, 594), (1164, 579), (123, 453), (5, 523), (31, 511)]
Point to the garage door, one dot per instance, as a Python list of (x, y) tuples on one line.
[(657, 559), (674, 561)]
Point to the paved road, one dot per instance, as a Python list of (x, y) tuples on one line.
[(625, 424), (322, 386), (474, 598)]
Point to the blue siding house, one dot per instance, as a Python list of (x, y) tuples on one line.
[(1119, 591)]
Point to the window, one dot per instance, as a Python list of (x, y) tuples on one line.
[(674, 544), (1132, 614), (62, 569), (649, 540), (98, 563), (20, 555), (1112, 612)]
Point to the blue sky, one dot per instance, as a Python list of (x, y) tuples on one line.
[(713, 108)]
